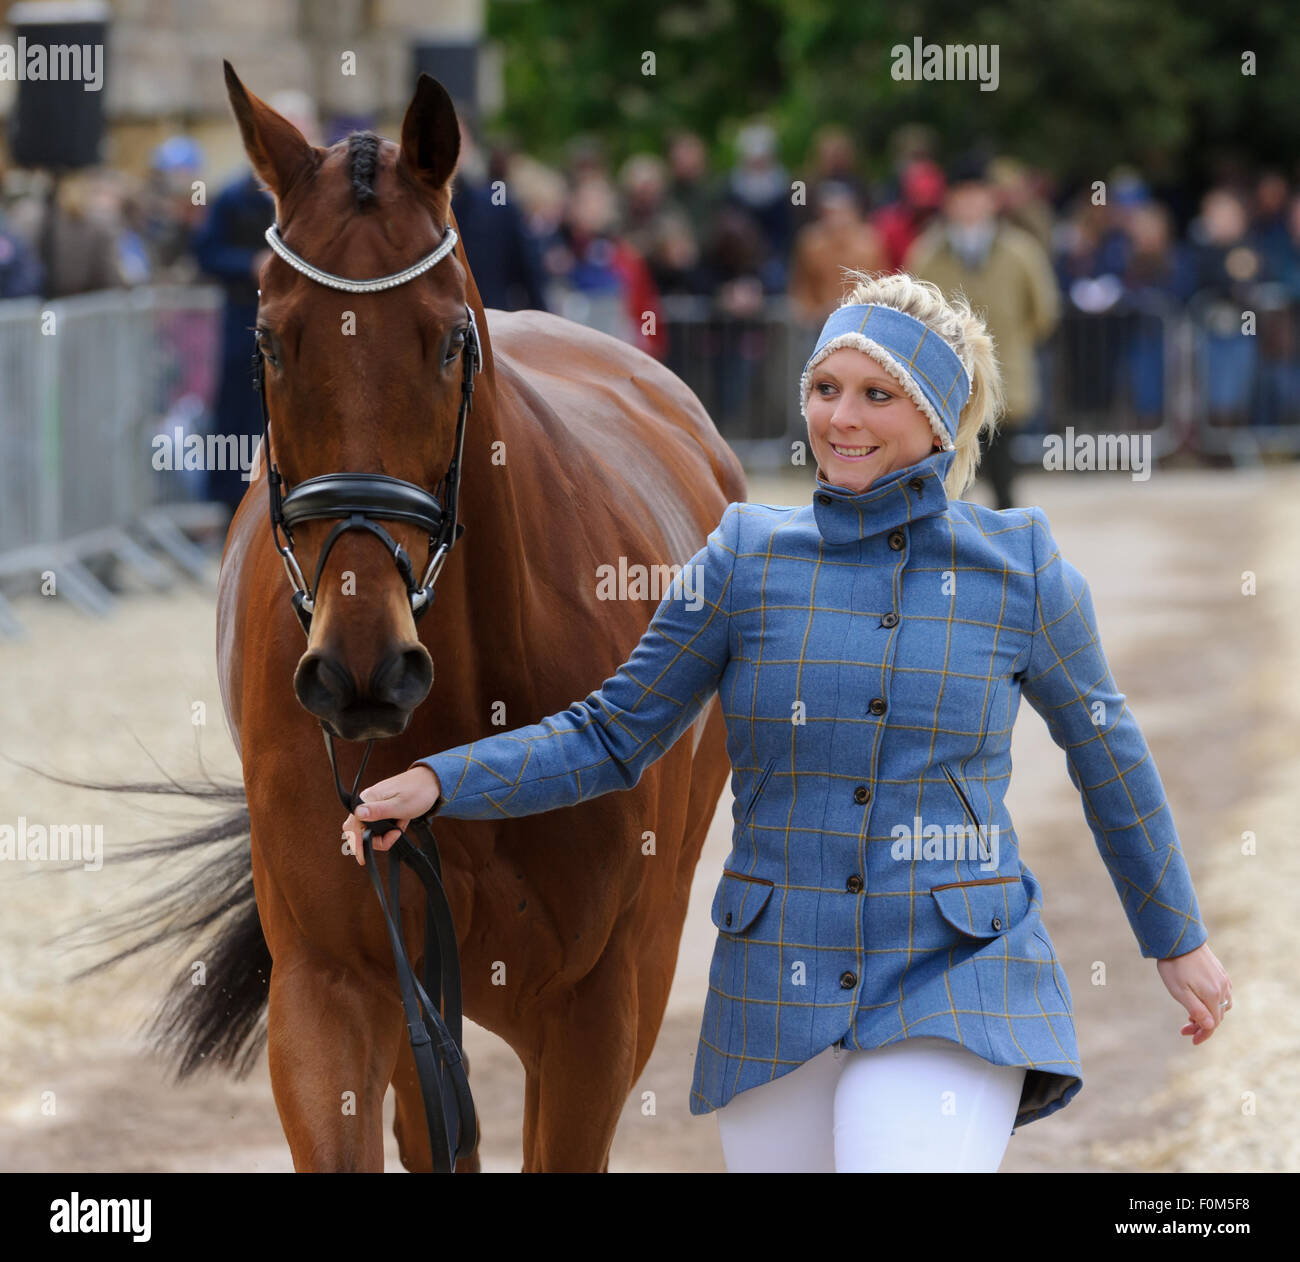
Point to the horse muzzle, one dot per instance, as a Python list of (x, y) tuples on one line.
[(381, 707)]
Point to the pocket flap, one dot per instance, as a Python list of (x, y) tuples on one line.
[(738, 900), (982, 909)]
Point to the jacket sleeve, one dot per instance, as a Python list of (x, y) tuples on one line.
[(1067, 680), (606, 741)]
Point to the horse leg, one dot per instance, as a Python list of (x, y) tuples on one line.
[(332, 1039), (409, 1125), (580, 1069)]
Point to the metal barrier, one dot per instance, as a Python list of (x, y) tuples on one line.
[(1248, 381), (1112, 372), (89, 382)]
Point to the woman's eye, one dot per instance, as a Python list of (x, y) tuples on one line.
[(884, 393)]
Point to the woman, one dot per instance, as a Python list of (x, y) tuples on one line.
[(883, 994)]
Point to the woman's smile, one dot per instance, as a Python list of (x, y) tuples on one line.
[(853, 453)]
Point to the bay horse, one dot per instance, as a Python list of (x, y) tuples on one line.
[(579, 450)]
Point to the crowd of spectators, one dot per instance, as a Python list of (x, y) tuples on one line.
[(608, 243)]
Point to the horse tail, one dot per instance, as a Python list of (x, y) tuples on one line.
[(209, 913)]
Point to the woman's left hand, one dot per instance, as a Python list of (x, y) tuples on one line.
[(1199, 982)]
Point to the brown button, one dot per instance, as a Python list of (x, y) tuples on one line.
[(896, 541), (916, 484), (877, 705), (861, 794), (848, 980), (889, 620), (728, 918), (823, 499), (854, 884)]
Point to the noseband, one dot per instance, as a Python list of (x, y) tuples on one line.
[(357, 498), (433, 1022)]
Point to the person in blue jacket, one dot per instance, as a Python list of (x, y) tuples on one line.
[(883, 993)]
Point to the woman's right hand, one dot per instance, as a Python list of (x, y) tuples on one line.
[(403, 797)]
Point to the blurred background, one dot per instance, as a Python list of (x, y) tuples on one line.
[(1124, 204)]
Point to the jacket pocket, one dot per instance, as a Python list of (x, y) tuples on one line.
[(984, 908), (757, 791), (738, 900), (961, 793)]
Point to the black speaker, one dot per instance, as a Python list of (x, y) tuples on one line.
[(454, 63), (57, 122)]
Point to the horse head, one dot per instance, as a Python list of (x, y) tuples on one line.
[(366, 383)]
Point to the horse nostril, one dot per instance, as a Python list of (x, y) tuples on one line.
[(403, 679), (323, 686)]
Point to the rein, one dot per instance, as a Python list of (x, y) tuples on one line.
[(432, 1009)]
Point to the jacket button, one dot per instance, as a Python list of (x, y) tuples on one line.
[(861, 794), (896, 541), (854, 884), (728, 919), (877, 705), (916, 484), (889, 620), (997, 924), (848, 980), (823, 499)]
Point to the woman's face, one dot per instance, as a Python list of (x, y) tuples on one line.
[(856, 404)]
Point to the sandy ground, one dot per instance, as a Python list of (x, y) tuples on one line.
[(1210, 675)]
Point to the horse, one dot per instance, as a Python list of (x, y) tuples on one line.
[(578, 448)]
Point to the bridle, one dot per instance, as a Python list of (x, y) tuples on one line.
[(434, 1027), (355, 498)]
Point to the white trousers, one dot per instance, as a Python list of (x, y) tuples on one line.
[(923, 1104)]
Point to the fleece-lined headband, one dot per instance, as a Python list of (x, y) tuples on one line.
[(922, 362)]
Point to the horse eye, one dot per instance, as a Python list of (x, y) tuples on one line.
[(457, 344), (264, 345)]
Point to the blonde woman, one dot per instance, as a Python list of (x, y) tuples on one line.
[(883, 993)]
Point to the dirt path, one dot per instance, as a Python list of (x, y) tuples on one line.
[(1208, 673)]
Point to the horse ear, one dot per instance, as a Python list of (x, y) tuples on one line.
[(430, 134), (279, 152)]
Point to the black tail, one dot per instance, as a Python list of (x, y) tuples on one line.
[(210, 913)]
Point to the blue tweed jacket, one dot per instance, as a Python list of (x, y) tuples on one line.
[(870, 652)]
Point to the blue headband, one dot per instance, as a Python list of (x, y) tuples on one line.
[(924, 363)]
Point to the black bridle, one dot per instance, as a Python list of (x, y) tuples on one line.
[(432, 1010)]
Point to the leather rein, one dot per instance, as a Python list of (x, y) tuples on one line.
[(432, 1009)]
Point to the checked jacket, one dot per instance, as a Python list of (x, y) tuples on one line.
[(869, 651)]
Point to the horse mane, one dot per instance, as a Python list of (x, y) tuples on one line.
[(363, 160)]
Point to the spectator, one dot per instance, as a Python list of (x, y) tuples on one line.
[(689, 185), (611, 281), (77, 242), (1003, 270), (835, 162), (1019, 202), (840, 237), (899, 223), (21, 274), (760, 186), (169, 219), (504, 256)]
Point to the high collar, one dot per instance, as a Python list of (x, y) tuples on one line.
[(899, 497)]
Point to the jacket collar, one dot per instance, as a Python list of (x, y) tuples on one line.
[(902, 496)]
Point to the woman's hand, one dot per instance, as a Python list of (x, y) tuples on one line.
[(402, 798), (1198, 981)]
